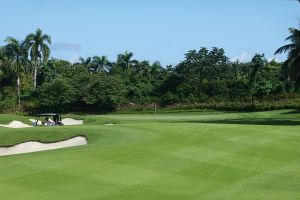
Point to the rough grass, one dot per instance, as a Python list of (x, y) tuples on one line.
[(169, 156)]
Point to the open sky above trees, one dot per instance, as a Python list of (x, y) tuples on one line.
[(154, 30)]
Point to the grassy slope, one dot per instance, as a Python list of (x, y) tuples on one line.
[(7, 118), (140, 158)]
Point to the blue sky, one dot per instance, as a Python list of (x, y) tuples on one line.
[(153, 29)]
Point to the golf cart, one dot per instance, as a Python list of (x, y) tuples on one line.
[(55, 121)]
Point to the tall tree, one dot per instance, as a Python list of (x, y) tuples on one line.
[(293, 58), (39, 51), (85, 62), (100, 64), (155, 70), (125, 61), (257, 63), (204, 70), (17, 52)]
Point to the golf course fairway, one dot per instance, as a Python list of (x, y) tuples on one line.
[(171, 156)]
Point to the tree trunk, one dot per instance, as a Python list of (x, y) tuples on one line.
[(18, 87), (35, 73), (34, 76)]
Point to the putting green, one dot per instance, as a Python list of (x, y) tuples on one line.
[(169, 156)]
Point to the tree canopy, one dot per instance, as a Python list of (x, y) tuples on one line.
[(205, 78)]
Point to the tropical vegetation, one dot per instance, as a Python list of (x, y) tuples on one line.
[(206, 78)]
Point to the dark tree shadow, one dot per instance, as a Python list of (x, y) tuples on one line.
[(263, 121), (292, 112)]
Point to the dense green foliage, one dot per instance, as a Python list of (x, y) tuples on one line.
[(205, 78), (168, 156)]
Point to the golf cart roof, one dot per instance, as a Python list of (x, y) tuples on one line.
[(48, 114)]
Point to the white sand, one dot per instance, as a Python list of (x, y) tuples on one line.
[(28, 147), (70, 121), (109, 124), (66, 121), (16, 124)]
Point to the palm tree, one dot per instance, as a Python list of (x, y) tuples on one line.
[(100, 64), (85, 62), (155, 70), (140, 68), (125, 61), (17, 52), (114, 68), (37, 43), (293, 58), (257, 64)]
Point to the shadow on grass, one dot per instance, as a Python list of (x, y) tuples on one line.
[(264, 121), (292, 112)]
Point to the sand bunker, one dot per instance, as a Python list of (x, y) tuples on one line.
[(109, 124), (28, 147), (70, 121), (16, 124), (66, 121)]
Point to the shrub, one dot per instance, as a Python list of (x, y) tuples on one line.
[(168, 99), (8, 99), (57, 95), (105, 93)]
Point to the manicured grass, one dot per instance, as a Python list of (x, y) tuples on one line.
[(7, 118), (169, 156)]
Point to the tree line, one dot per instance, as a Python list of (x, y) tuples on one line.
[(206, 78)]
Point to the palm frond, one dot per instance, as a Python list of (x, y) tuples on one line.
[(30, 37), (36, 43), (46, 38), (45, 52), (285, 48), (293, 55), (38, 33), (11, 40), (34, 53)]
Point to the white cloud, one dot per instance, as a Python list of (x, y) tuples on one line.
[(74, 59), (245, 56)]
